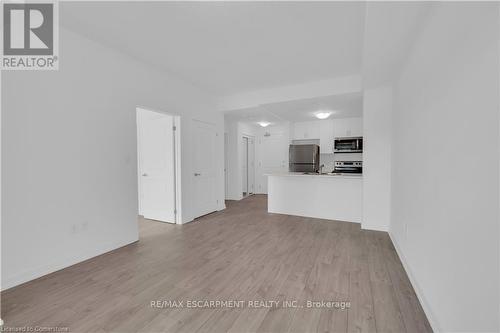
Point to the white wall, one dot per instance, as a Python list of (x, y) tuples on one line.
[(377, 113), (390, 29), (498, 150), (69, 188), (231, 130), (445, 180)]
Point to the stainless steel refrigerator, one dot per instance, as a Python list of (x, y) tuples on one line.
[(304, 158)]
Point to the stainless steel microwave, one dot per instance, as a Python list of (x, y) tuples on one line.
[(348, 145)]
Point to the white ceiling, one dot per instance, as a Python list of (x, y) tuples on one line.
[(342, 106), (230, 47), (390, 30)]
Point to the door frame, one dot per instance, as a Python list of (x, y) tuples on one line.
[(250, 137), (226, 163), (245, 190), (177, 161)]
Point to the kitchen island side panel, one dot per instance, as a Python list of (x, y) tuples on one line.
[(324, 197)]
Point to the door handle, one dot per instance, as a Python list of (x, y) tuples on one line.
[(197, 174), (144, 174)]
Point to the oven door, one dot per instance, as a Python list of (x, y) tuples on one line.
[(348, 169)]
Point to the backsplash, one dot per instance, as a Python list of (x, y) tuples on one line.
[(328, 160)]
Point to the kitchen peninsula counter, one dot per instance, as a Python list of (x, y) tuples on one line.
[(325, 196)]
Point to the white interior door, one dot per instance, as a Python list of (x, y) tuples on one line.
[(155, 144), (204, 168)]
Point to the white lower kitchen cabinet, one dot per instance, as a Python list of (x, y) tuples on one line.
[(320, 196)]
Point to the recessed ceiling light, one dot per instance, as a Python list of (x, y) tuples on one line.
[(322, 115), (264, 123)]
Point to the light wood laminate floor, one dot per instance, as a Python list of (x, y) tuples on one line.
[(241, 253)]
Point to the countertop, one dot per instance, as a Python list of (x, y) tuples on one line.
[(316, 175)]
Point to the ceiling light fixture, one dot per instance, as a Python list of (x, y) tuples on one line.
[(322, 115), (264, 123)]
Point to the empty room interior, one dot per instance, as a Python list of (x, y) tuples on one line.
[(250, 166)]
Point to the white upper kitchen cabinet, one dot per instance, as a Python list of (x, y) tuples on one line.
[(326, 136), (346, 127), (306, 130), (322, 130)]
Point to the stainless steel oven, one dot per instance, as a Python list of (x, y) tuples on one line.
[(348, 145), (349, 166)]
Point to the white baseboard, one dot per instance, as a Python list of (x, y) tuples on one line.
[(187, 221), (420, 294), (374, 227), (26, 276)]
